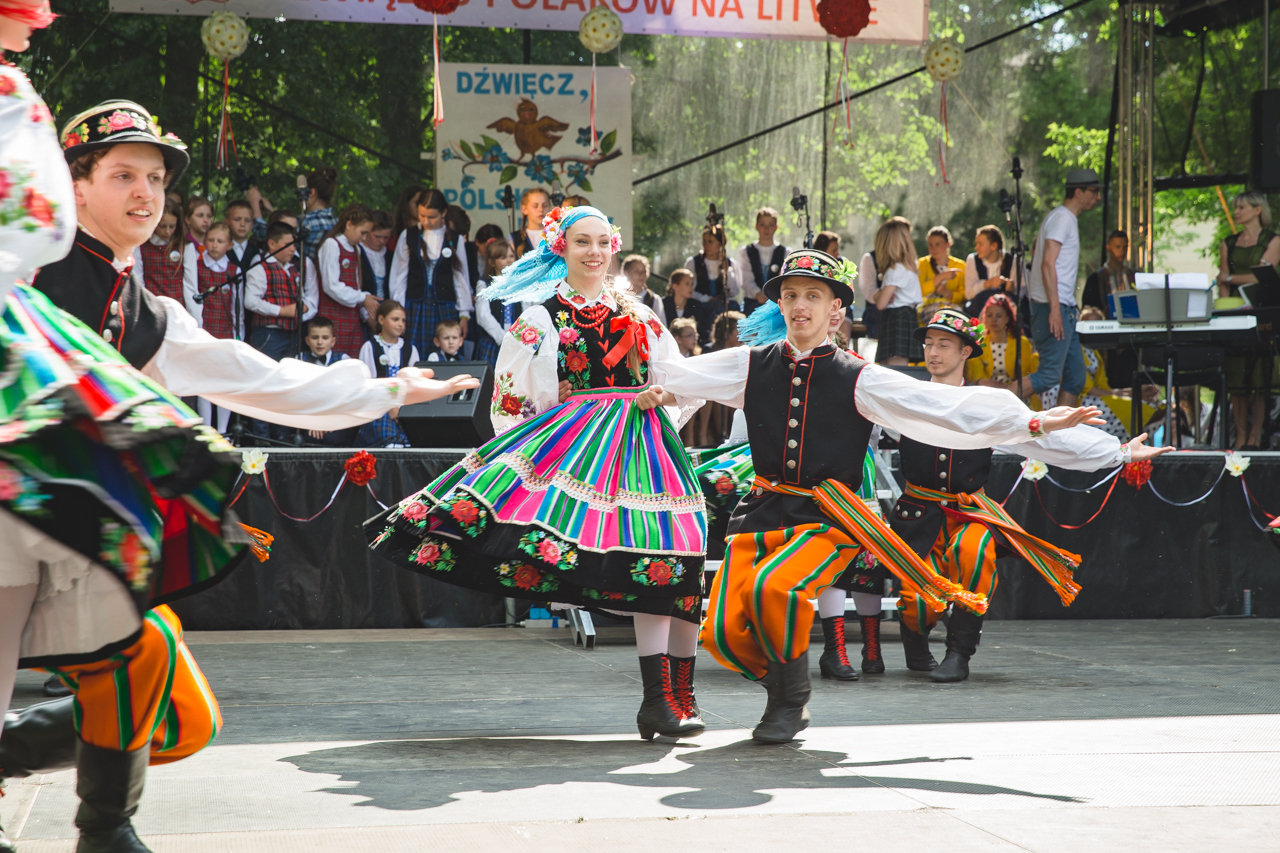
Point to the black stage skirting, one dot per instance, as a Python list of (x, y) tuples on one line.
[(1142, 557)]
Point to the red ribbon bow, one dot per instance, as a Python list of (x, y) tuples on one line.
[(634, 336)]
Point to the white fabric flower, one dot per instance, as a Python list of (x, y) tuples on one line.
[(253, 461), (1034, 469), (1236, 463)]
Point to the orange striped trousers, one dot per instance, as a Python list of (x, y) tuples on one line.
[(965, 552), (152, 693), (761, 608)]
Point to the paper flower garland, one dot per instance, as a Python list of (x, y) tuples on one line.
[(600, 30), (1034, 469), (253, 461), (225, 36), (1236, 464)]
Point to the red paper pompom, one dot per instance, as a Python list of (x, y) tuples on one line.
[(843, 18), (439, 7), (361, 468), (1137, 474)]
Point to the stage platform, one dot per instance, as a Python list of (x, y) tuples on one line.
[(1152, 735), (1142, 557)]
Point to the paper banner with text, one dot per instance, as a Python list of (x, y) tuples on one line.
[(892, 21), (528, 126)]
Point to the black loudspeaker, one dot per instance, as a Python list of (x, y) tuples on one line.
[(1264, 148), (458, 421)]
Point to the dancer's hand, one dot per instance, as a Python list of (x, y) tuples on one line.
[(422, 388), (653, 397), (1139, 452), (564, 389), (1065, 417)]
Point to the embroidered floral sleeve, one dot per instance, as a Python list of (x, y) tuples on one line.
[(525, 382)]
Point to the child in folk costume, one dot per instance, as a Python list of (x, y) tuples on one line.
[(213, 292), (239, 218), (947, 518), (586, 496), (342, 290), (535, 204), (160, 258), (317, 348), (429, 273), (385, 356), (635, 271), (197, 216), (716, 282), (802, 524), (761, 260), (448, 342), (494, 317), (375, 257)]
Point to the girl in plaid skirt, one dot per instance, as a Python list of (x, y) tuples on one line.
[(385, 356)]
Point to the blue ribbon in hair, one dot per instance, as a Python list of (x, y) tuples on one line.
[(534, 277)]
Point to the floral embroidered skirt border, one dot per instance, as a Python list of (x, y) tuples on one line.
[(592, 503)]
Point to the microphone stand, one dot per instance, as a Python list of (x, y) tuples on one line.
[(1019, 267), (801, 203)]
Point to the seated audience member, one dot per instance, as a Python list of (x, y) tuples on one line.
[(760, 261), (393, 354), (160, 258), (679, 302), (829, 242), (1114, 275), (724, 332), (997, 366), (685, 332), (889, 280), (448, 342), (317, 348), (988, 269), (716, 282), (495, 318), (941, 275), (635, 272)]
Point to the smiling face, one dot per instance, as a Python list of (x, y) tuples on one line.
[(807, 306), (588, 253), (944, 352), (121, 200)]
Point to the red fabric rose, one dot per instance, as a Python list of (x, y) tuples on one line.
[(361, 468), (844, 18), (576, 362), (72, 139), (1136, 474), (660, 572), (7, 85), (527, 577), (510, 404), (724, 485), (38, 207), (464, 512)]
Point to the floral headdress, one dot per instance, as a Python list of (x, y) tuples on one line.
[(534, 277), (957, 322)]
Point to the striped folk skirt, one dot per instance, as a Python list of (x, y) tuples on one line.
[(593, 503)]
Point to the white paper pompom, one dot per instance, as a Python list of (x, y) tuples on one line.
[(225, 35), (943, 60), (600, 30)]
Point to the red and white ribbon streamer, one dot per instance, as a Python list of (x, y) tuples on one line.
[(437, 99)]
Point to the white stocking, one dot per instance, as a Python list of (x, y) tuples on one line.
[(683, 639), (15, 607), (652, 633), (831, 602), (869, 604)]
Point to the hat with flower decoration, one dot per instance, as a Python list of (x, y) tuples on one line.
[(119, 122), (810, 263), (953, 320)]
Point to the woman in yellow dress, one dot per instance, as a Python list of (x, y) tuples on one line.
[(941, 276)]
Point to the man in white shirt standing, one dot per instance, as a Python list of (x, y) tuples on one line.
[(761, 260), (1053, 291)]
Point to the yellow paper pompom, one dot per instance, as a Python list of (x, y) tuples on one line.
[(600, 30), (225, 35), (943, 60)]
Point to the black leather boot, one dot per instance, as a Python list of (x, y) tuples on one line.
[(660, 712), (964, 630), (682, 687), (54, 687), (834, 662), (916, 648), (39, 739), (785, 714), (872, 660), (109, 783)]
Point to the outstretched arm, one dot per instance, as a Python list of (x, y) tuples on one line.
[(1086, 449)]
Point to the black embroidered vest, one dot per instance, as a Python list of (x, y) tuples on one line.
[(704, 283), (804, 428), (368, 280), (757, 266), (85, 284), (942, 469), (590, 338), (436, 282)]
